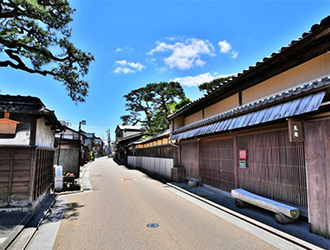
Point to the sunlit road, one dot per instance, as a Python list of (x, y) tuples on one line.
[(116, 214)]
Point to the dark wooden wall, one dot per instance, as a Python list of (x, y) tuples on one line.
[(189, 158), (25, 173), (162, 151), (317, 145), (276, 167), (15, 173), (217, 163), (43, 171)]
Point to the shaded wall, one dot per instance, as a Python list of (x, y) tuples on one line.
[(69, 159), (158, 160), (317, 144), (25, 174), (159, 166)]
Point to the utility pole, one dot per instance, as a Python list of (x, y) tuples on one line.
[(109, 141)]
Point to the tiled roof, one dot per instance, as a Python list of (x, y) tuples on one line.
[(299, 90), (22, 104), (27, 104), (130, 136), (316, 27), (287, 109), (160, 135)]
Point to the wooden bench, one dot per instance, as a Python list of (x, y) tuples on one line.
[(283, 213)]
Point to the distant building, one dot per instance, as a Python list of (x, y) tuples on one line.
[(88, 140), (27, 136), (126, 134), (98, 146)]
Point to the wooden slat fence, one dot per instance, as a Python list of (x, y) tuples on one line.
[(163, 151), (15, 173), (276, 167), (43, 171)]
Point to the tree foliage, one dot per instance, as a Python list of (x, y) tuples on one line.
[(209, 86), (150, 105), (34, 37)]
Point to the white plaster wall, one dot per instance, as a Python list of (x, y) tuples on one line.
[(45, 137), (159, 166)]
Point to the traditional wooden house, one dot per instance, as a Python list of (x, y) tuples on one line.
[(98, 146), (88, 140), (27, 135), (126, 134), (267, 129)]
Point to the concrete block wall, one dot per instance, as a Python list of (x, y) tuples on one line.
[(158, 166)]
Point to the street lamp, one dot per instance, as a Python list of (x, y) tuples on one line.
[(83, 122)]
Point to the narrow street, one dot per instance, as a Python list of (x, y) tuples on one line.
[(123, 202)]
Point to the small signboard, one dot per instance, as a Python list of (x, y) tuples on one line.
[(58, 178), (243, 154), (296, 133), (8, 126), (242, 164)]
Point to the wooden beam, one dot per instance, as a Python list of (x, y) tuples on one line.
[(33, 130), (268, 204)]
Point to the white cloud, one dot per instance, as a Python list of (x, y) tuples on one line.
[(119, 70), (234, 54), (192, 81), (126, 67), (184, 54), (225, 47), (124, 49)]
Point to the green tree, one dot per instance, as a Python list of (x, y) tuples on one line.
[(139, 102), (34, 37), (209, 86), (151, 105)]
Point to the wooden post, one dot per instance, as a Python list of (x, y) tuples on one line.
[(198, 162), (235, 162), (33, 172)]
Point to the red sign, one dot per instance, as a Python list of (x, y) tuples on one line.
[(242, 155)]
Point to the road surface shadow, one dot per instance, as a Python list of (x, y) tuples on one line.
[(59, 211)]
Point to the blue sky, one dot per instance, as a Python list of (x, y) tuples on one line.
[(140, 42)]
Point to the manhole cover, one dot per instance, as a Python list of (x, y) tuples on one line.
[(152, 225), (127, 179)]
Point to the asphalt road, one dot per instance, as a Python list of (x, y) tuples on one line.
[(116, 214)]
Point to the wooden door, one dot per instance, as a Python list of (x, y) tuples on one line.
[(217, 163), (189, 158)]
